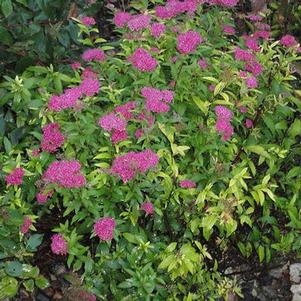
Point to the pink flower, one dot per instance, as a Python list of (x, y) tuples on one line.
[(67, 100), (121, 19), (149, 118), (52, 138), (26, 225), (42, 197), (139, 22), (104, 228), (251, 43), (128, 165), (157, 29), (263, 34), (142, 60), (254, 18), (148, 207), (224, 128), (35, 152), (112, 122), (139, 133), (89, 86), (65, 173), (88, 73), (229, 30), (94, 54), (288, 41), (243, 109), (126, 109), (156, 100), (15, 177), (251, 82), (223, 123), (187, 184), (211, 88), (243, 55), (75, 65), (88, 21), (249, 123), (59, 245), (223, 113), (203, 63), (118, 136), (254, 67), (228, 3), (262, 26), (188, 41)]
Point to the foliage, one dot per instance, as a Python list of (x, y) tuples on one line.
[(246, 191)]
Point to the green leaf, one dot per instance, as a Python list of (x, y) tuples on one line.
[(41, 282), (29, 271), (29, 285), (202, 105), (5, 36), (171, 247), (257, 149), (8, 287), (33, 242), (7, 145), (167, 261), (260, 251), (6, 7), (13, 268)]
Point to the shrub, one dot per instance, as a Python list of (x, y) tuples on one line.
[(165, 153)]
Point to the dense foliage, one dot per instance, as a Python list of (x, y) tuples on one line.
[(155, 157)]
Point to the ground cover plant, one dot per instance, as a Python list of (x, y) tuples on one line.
[(147, 162)]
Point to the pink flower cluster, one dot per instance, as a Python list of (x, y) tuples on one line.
[(69, 99), (157, 29), (93, 54), (117, 125), (52, 138), (121, 19), (64, 173), (104, 228), (43, 196), (288, 41), (176, 7), (187, 184), (26, 225), (203, 63), (15, 177), (157, 100), (139, 22), (88, 21), (148, 207), (227, 29), (128, 165), (142, 60), (59, 245), (188, 41), (223, 124)]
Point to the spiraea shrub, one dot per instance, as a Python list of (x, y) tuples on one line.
[(156, 157)]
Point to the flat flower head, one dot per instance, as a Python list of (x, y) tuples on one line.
[(227, 29), (26, 225), (15, 177), (142, 60), (88, 21), (223, 113), (251, 82), (121, 19), (112, 122), (104, 228), (157, 29), (93, 54), (249, 123), (187, 184), (188, 41), (59, 245), (52, 138), (139, 22), (148, 207), (288, 41)]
